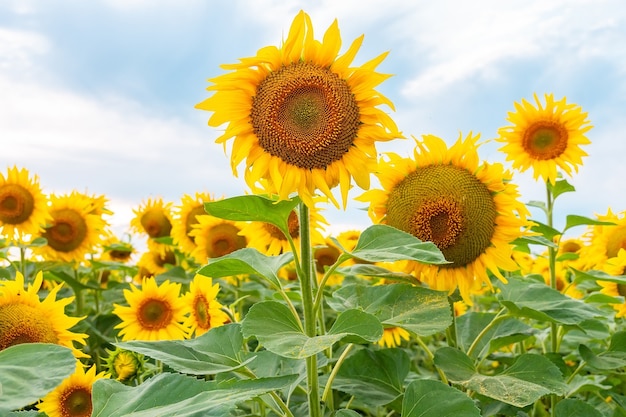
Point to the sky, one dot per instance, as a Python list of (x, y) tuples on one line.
[(98, 96)]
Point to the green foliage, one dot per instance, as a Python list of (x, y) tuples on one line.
[(25, 377)]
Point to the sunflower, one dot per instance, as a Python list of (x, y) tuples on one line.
[(615, 289), (123, 364), (153, 218), (186, 217), (72, 398), (604, 241), (155, 262), (467, 208), (545, 138), (393, 337), (154, 312), (302, 117), (74, 230), (270, 240), (216, 237), (23, 207), (24, 318), (206, 311)]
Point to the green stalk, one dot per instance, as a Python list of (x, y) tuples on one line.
[(552, 267), (306, 276), (451, 330), (496, 320)]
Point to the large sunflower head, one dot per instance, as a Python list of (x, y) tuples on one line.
[(186, 217), (469, 209), (206, 311), (23, 207), (301, 116), (72, 398), (24, 318), (154, 312), (545, 137), (216, 237), (74, 230)]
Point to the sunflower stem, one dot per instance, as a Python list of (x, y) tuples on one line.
[(306, 277), (451, 330), (552, 268)]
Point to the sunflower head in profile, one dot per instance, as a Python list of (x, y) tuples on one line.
[(206, 311), (185, 218), (603, 241), (545, 137), (72, 398), (74, 231), (302, 117), (154, 312), (23, 207), (124, 365), (215, 237), (24, 318), (270, 240), (468, 209)]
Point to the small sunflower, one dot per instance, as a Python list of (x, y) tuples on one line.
[(604, 241), (24, 318), (154, 312), (155, 262), (545, 138), (393, 337), (186, 217), (23, 207), (216, 237), (270, 240), (72, 398), (74, 230), (153, 218), (468, 209), (206, 311), (302, 117), (124, 365)]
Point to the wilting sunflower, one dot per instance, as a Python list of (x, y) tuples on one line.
[(393, 337), (154, 312), (545, 137), (469, 210), (23, 207), (74, 231), (604, 241), (302, 117), (24, 318), (206, 311), (72, 398), (185, 217), (216, 237), (270, 240)]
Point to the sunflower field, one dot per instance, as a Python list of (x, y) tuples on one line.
[(454, 302)]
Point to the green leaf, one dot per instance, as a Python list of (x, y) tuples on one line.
[(540, 302), (216, 351), (254, 208), (29, 371), (573, 220), (544, 230), (346, 413), (381, 243), (276, 328), (429, 398), (375, 377), (534, 240), (569, 407), (529, 378), (585, 384), (420, 310), (613, 358), (560, 187), (375, 271), (247, 261), (504, 333), (169, 394)]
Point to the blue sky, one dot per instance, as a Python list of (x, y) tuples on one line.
[(99, 96)]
